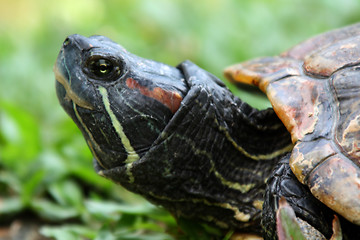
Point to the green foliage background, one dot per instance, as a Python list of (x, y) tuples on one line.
[(45, 166)]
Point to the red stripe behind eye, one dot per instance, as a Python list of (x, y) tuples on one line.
[(170, 99)]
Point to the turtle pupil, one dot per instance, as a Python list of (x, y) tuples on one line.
[(101, 67)]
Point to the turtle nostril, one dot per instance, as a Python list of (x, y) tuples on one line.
[(78, 41), (66, 42)]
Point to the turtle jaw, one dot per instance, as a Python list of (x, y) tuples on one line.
[(64, 90), (67, 97), (70, 95)]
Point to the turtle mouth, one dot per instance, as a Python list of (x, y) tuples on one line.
[(63, 77)]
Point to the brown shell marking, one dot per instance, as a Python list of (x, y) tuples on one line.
[(331, 177), (336, 183), (261, 71), (346, 85), (327, 60), (296, 102), (307, 155), (350, 139), (303, 49)]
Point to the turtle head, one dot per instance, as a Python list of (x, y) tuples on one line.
[(120, 102)]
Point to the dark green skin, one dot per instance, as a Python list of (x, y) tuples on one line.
[(283, 183), (185, 157)]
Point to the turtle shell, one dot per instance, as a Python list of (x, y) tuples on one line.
[(314, 88)]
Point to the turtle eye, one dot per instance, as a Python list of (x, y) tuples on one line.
[(101, 67)]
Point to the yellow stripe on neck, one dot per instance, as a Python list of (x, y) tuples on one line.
[(132, 156)]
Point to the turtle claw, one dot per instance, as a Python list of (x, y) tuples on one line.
[(288, 226), (337, 232)]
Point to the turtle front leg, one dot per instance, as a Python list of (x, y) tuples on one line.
[(314, 217)]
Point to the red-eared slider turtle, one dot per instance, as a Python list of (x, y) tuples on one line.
[(181, 139)]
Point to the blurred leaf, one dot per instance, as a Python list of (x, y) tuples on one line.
[(107, 207), (21, 137), (31, 186), (286, 224), (196, 230), (11, 205), (147, 236), (53, 212), (68, 232), (52, 164), (337, 232), (228, 235), (10, 183), (243, 236), (94, 182), (107, 233), (67, 193)]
